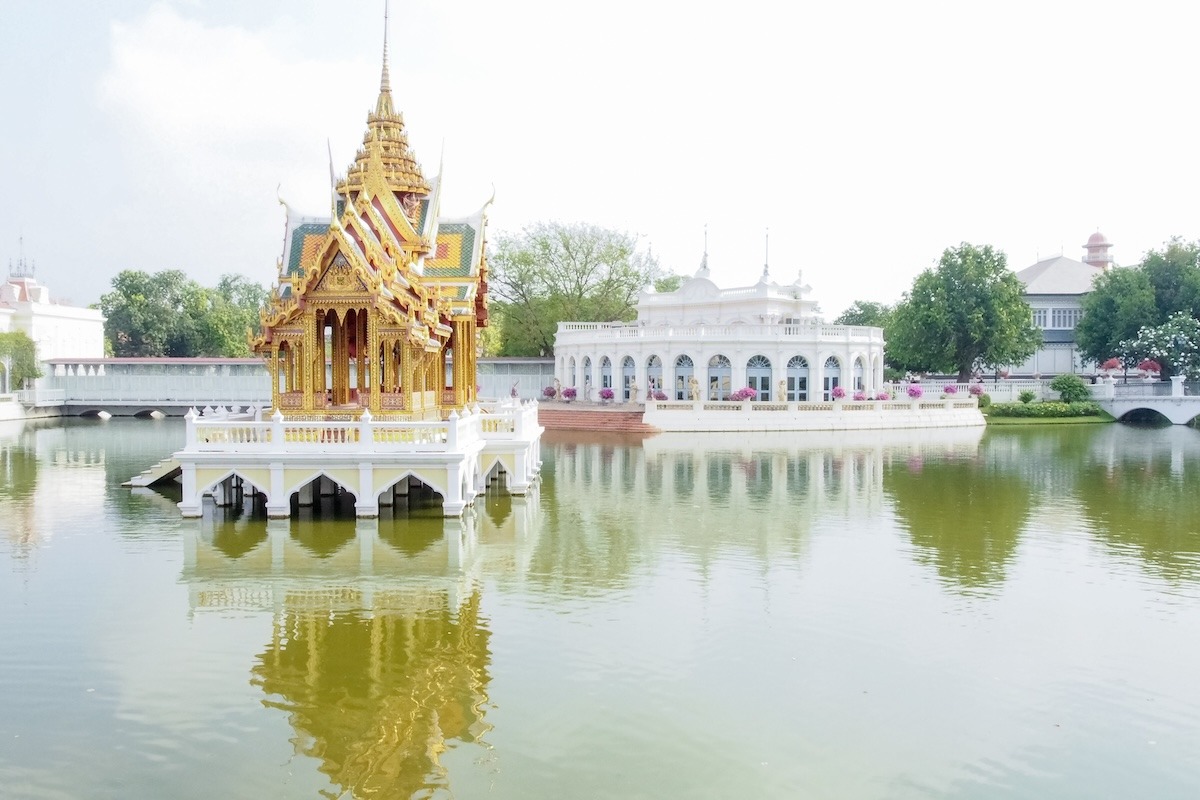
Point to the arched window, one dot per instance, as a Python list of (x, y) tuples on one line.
[(654, 374), (720, 376), (627, 370), (685, 371), (833, 376), (858, 375), (605, 373), (758, 376), (571, 372), (797, 379)]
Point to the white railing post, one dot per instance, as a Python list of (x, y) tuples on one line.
[(452, 431), (277, 442), (1177, 385), (189, 430), (365, 439)]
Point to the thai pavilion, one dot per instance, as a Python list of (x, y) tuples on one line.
[(386, 292), (768, 337), (370, 342)]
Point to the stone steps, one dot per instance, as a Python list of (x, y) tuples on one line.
[(592, 419)]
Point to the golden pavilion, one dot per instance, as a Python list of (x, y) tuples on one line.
[(378, 306)]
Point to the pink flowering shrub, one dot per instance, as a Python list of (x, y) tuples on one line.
[(860, 395), (883, 396), (976, 389), (743, 394), (950, 388), (569, 392), (838, 393), (914, 391)]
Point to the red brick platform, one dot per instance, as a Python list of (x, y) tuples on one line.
[(579, 416)]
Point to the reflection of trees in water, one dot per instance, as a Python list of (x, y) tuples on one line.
[(18, 479), (964, 516), (1140, 503), (377, 699)]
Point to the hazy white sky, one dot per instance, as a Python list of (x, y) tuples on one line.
[(867, 136)]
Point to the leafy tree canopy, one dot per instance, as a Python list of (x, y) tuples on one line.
[(865, 312), (968, 313), (553, 272), (169, 314), (1125, 299), (18, 354)]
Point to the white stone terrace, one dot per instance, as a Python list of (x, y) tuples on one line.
[(371, 459)]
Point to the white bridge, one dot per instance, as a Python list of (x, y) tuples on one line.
[(1169, 399)]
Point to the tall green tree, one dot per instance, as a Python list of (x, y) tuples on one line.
[(169, 314), (18, 354), (1126, 299), (968, 313), (553, 272)]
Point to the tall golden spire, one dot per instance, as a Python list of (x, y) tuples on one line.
[(383, 107), (385, 135)]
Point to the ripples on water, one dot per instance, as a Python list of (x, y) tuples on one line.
[(924, 614)]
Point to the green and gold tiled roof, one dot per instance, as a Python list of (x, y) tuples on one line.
[(454, 256), (304, 242)]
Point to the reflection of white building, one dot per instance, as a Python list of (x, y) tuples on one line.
[(58, 331), (1054, 288), (768, 337)]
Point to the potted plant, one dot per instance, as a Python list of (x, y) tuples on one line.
[(949, 390), (860, 396), (569, 393), (838, 393), (883, 396), (548, 393), (606, 395), (914, 391), (660, 395)]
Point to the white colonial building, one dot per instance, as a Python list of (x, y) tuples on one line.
[(58, 330), (1054, 288), (703, 342)]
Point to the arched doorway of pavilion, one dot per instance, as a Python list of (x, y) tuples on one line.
[(627, 371), (654, 375), (832, 377), (685, 371), (797, 379), (571, 372), (606, 373), (859, 375), (720, 378), (758, 376)]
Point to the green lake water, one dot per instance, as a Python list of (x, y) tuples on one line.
[(927, 614)]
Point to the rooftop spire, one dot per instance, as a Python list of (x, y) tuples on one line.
[(384, 104), (703, 271), (767, 253), (385, 136)]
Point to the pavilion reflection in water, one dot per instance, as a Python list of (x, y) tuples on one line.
[(378, 650)]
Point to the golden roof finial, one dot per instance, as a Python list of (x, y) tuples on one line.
[(384, 106), (385, 135)]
